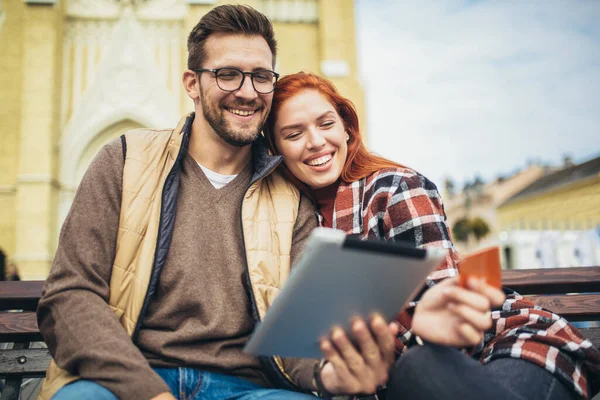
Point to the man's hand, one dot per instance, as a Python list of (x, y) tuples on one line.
[(352, 370), (164, 396), (451, 315)]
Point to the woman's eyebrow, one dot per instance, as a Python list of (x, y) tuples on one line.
[(291, 126), (296, 126), (326, 114)]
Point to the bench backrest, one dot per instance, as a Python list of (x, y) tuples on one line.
[(573, 293)]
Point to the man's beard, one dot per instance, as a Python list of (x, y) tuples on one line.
[(215, 116)]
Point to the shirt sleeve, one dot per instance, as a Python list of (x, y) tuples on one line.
[(82, 333), (407, 207)]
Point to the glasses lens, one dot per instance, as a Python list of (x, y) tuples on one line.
[(229, 79), (264, 81)]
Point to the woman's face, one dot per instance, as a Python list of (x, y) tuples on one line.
[(311, 137)]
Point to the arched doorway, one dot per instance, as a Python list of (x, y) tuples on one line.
[(84, 159)]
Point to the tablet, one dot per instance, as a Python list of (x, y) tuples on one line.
[(336, 278)]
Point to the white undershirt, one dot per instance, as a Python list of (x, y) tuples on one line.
[(217, 180)]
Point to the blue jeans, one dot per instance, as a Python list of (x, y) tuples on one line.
[(188, 384), (434, 372)]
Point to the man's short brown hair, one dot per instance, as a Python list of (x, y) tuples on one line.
[(234, 19)]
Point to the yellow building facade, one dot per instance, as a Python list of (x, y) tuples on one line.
[(75, 74), (564, 201), (555, 221)]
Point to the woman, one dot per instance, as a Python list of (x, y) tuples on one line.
[(317, 132)]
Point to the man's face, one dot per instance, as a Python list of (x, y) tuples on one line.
[(236, 117)]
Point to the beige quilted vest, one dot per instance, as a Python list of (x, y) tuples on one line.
[(269, 212)]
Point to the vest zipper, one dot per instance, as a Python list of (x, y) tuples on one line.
[(268, 361)]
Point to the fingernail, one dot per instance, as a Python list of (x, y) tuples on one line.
[(338, 333), (358, 325), (378, 320)]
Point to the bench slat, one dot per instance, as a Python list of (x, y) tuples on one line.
[(576, 307), (35, 363), (549, 281), (19, 327), (20, 295)]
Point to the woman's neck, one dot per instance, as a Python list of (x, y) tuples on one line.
[(325, 199), (327, 193)]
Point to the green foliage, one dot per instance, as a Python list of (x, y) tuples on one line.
[(479, 228), (461, 230), (465, 227)]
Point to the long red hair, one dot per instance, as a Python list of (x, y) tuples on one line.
[(360, 163)]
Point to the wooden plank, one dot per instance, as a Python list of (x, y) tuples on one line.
[(576, 307), (27, 362), (12, 384), (20, 295), (19, 327), (555, 280)]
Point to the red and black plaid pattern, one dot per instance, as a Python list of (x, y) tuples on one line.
[(526, 331), (397, 204), (400, 204)]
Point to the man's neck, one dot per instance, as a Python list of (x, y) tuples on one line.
[(210, 151)]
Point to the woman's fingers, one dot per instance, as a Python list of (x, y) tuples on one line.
[(470, 335), (481, 321), (495, 295), (468, 297)]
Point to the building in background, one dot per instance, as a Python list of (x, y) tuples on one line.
[(480, 200), (75, 74), (555, 221)]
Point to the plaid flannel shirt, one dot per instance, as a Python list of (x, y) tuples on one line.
[(400, 204)]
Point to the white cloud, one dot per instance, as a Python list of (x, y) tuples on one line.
[(458, 88)]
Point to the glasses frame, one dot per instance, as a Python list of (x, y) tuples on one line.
[(215, 72)]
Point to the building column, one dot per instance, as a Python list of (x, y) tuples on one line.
[(36, 186), (11, 65), (337, 45)]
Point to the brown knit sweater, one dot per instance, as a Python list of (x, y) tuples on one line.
[(201, 314)]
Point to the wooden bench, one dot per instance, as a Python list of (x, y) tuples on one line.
[(573, 293)]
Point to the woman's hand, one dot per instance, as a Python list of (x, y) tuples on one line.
[(451, 315), (362, 368)]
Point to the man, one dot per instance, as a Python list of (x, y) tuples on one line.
[(186, 236)]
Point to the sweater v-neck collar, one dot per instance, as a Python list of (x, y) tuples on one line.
[(243, 178)]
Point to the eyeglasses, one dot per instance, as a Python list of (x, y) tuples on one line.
[(231, 79)]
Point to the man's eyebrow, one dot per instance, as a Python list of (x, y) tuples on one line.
[(242, 69)]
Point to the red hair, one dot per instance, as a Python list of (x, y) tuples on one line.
[(360, 163)]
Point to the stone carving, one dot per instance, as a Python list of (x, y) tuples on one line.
[(2, 16), (127, 85), (111, 9)]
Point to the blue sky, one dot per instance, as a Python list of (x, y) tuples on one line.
[(456, 88)]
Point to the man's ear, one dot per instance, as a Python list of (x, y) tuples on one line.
[(191, 84)]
